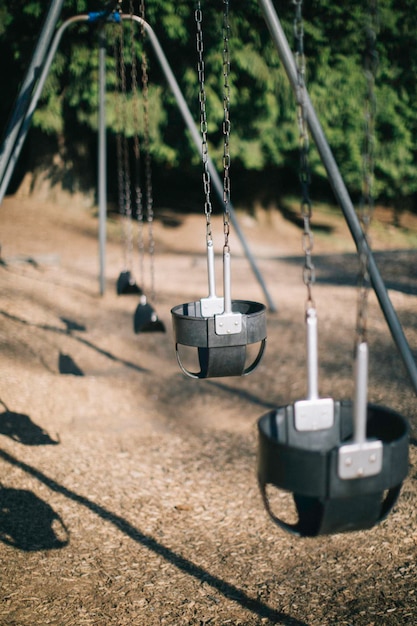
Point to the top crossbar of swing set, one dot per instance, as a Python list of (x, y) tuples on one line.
[(26, 104)]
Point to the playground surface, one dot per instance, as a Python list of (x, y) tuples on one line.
[(128, 492)]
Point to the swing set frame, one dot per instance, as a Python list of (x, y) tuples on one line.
[(30, 92)]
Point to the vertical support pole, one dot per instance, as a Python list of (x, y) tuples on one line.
[(102, 161)]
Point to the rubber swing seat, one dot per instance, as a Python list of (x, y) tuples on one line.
[(219, 355), (145, 319), (306, 464), (126, 285)]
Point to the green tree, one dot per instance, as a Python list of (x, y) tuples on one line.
[(264, 129)]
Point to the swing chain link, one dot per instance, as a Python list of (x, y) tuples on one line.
[(134, 80), (147, 147), (226, 124), (125, 206), (304, 147), (366, 207), (203, 119), (137, 150)]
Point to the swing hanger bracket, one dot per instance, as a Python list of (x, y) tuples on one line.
[(360, 460), (314, 413), (211, 305), (361, 457), (228, 323)]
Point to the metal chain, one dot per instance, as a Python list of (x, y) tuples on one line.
[(226, 124), (304, 147), (137, 150), (208, 209), (366, 207), (125, 206), (148, 164)]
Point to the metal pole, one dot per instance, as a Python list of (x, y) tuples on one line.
[(102, 161), (25, 124), (28, 84), (189, 121), (341, 192)]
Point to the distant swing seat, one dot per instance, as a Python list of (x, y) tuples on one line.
[(126, 284), (145, 319), (306, 464)]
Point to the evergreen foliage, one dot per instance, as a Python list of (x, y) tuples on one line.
[(264, 129)]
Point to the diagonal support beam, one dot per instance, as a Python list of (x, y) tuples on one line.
[(28, 84)]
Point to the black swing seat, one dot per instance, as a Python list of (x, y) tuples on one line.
[(145, 319), (126, 284), (219, 355), (306, 464)]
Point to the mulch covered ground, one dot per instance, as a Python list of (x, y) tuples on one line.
[(128, 492)]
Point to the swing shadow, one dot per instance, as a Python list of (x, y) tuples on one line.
[(342, 269), (295, 218), (247, 396), (29, 523), (68, 332), (170, 221), (8, 264), (228, 590), (67, 365), (19, 427)]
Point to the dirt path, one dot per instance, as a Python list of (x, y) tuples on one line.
[(128, 491)]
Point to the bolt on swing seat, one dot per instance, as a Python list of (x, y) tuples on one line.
[(343, 462)]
